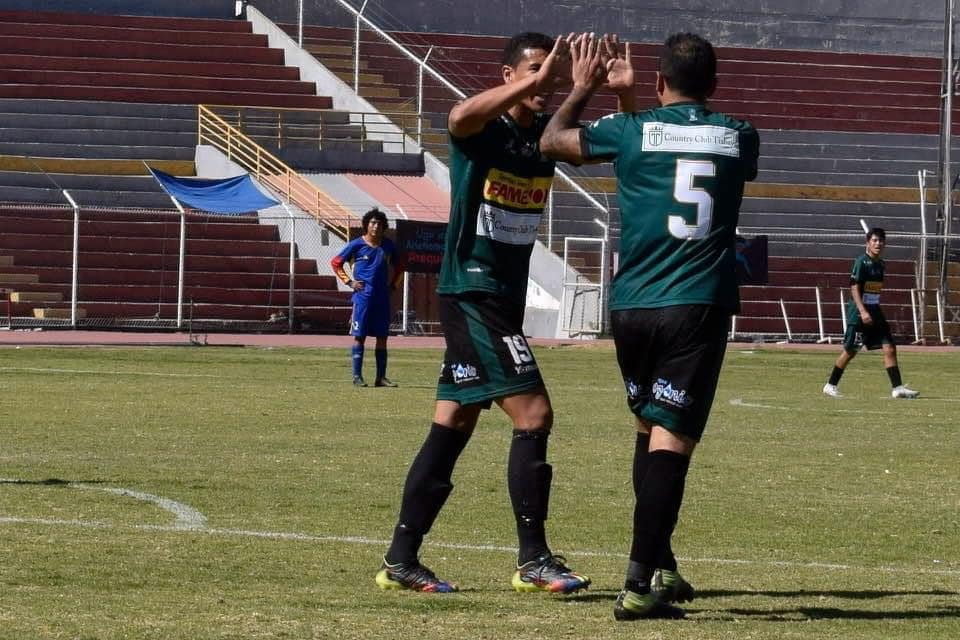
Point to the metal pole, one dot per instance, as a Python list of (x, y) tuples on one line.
[(420, 96), (913, 309), (603, 265), (733, 328), (823, 335), (75, 269), (292, 272), (550, 220), (945, 210), (182, 265), (843, 312), (943, 338), (922, 267), (406, 303), (786, 321), (300, 24), (356, 49)]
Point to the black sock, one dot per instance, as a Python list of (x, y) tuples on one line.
[(835, 376), (425, 491), (528, 479), (894, 373), (641, 462), (658, 503)]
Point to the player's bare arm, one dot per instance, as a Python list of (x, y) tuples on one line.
[(561, 138), (471, 115)]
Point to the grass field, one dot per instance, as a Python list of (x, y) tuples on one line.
[(191, 492)]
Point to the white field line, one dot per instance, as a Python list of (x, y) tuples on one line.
[(740, 402), (186, 517), (361, 540), (110, 373)]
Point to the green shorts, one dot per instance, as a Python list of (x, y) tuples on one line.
[(487, 357)]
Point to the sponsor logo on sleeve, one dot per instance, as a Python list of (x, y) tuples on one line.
[(674, 138)]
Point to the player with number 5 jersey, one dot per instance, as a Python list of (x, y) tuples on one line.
[(680, 170)]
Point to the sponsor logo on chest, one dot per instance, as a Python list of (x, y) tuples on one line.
[(674, 138), (515, 192)]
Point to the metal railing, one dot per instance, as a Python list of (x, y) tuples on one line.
[(323, 129), (424, 67), (266, 167)]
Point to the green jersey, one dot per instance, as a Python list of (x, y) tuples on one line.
[(499, 186), (867, 274), (680, 175)]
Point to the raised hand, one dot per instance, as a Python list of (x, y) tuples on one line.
[(588, 71), (554, 73), (620, 76)]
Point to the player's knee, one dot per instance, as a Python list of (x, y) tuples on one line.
[(537, 416)]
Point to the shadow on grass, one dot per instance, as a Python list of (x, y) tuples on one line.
[(830, 613), (50, 482), (871, 594)]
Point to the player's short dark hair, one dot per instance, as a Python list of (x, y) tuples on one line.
[(688, 64), (877, 231), (513, 52), (370, 215)]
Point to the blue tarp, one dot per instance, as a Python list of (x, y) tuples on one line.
[(231, 196)]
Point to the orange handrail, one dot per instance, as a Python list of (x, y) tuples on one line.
[(218, 133)]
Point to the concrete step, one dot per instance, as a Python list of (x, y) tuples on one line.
[(47, 313), (35, 296), (85, 166), (16, 278)]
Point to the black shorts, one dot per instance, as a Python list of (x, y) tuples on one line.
[(869, 336), (670, 359), (487, 357)]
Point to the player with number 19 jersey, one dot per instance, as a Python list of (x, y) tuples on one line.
[(681, 171), (500, 184)]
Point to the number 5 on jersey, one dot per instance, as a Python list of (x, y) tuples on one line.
[(685, 191)]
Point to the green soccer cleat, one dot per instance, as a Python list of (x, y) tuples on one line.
[(412, 576), (644, 606), (548, 573), (670, 586)]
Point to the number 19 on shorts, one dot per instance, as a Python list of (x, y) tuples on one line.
[(519, 349)]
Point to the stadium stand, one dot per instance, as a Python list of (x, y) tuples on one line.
[(843, 136), (843, 133), (85, 101)]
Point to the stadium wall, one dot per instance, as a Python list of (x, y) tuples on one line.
[(179, 8), (856, 26)]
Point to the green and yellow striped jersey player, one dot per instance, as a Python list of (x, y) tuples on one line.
[(866, 325), (867, 274), (500, 183)]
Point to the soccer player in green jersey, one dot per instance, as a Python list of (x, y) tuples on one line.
[(866, 324), (680, 170), (500, 183)]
